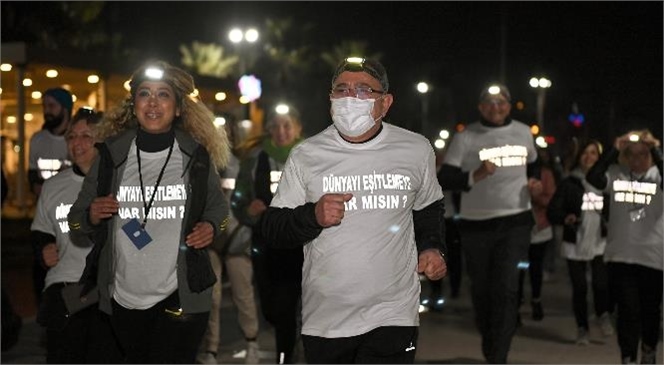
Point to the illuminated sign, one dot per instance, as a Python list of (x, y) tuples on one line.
[(250, 87)]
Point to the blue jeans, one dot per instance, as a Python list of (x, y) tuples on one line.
[(493, 249)]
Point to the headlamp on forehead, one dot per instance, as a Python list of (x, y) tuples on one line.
[(154, 73), (494, 90), (358, 60), (361, 64)]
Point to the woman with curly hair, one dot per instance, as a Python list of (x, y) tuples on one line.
[(152, 203)]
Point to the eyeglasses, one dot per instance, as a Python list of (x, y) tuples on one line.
[(361, 92)]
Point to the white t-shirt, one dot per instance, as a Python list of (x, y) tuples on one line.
[(48, 154), (635, 241), (361, 274), (57, 196), (144, 277), (589, 240), (511, 148)]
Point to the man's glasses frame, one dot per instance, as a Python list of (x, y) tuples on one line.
[(361, 92)]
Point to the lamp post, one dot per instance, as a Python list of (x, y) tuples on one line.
[(423, 89), (540, 84), (237, 36)]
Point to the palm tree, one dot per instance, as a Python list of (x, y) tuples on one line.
[(347, 48), (207, 59), (287, 51)]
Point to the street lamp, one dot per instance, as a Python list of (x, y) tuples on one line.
[(541, 84), (237, 36), (423, 89)]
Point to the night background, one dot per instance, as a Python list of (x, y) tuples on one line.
[(605, 57)]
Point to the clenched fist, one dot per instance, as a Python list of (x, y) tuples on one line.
[(330, 209)]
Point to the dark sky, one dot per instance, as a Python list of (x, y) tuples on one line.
[(605, 56)]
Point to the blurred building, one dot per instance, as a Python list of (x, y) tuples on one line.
[(95, 82)]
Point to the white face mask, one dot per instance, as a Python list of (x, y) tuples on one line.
[(352, 116)]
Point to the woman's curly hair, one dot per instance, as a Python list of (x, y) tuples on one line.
[(194, 118)]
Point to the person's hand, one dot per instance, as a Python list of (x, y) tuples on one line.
[(201, 236), (621, 142), (103, 207), (50, 255), (650, 140), (431, 263), (256, 207), (36, 189), (534, 186), (486, 169), (330, 209), (570, 219)]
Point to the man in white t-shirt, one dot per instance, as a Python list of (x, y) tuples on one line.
[(362, 198), (494, 163), (48, 155), (48, 149)]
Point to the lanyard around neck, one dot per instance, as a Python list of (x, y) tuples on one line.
[(140, 179)]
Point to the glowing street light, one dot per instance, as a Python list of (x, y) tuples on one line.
[(250, 90), (541, 84), (237, 35), (423, 88)]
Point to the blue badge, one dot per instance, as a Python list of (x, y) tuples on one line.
[(137, 235)]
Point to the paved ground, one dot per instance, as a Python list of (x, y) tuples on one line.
[(446, 337)]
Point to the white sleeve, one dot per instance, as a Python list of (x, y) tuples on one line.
[(42, 222), (455, 151), (291, 189), (430, 190)]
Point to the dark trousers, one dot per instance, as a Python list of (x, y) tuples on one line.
[(383, 345), (493, 249), (11, 323), (600, 286), (38, 279), (536, 253), (638, 291), (278, 274), (454, 263), (85, 337), (454, 257), (158, 335)]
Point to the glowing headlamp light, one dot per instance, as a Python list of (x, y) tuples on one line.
[(494, 90), (154, 73)]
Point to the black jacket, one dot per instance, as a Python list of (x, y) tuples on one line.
[(568, 199)]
